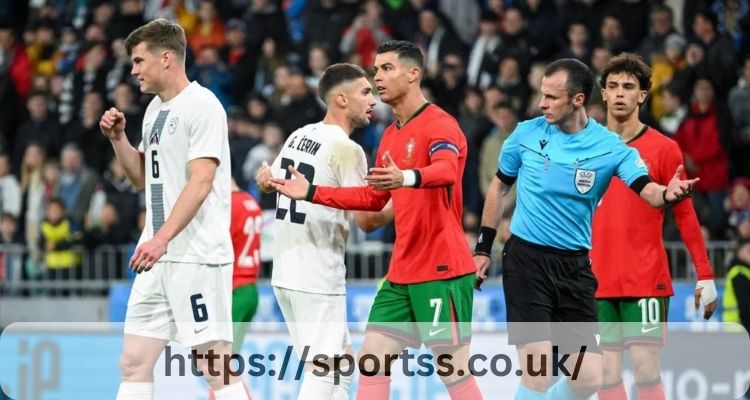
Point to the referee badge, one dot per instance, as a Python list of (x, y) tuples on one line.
[(584, 180)]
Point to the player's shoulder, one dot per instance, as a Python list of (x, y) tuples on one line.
[(537, 124), (434, 114), (658, 139), (203, 99)]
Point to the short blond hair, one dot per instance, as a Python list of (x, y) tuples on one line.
[(159, 34)]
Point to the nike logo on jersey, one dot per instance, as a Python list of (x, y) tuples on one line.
[(433, 333), (543, 143), (650, 329), (197, 331)]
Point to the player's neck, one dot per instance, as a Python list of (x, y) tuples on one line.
[(339, 120), (627, 128), (407, 105), (173, 87), (575, 123)]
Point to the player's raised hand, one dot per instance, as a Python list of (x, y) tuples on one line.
[(263, 178), (147, 254), (112, 124), (388, 177), (679, 188), (295, 188), (705, 292)]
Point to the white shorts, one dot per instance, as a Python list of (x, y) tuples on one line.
[(188, 303), (315, 320)]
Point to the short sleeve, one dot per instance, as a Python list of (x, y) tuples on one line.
[(509, 159), (630, 164), (350, 166), (208, 131)]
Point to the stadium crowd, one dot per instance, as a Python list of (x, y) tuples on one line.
[(62, 63)]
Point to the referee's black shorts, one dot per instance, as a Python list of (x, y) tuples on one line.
[(549, 295)]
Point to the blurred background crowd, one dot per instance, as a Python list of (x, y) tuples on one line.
[(62, 63)]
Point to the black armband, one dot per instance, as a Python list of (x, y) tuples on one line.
[(310, 192), (484, 241), (640, 183), (507, 180)]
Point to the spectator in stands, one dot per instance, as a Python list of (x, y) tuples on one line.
[(128, 17), (505, 119), (77, 183), (10, 190), (42, 128), (599, 58), (241, 140), (661, 25), (84, 132), (739, 105), (611, 35), (239, 59), (436, 39), (513, 84), (577, 46), (58, 235), (120, 71), (265, 19), (718, 60), (664, 67), (272, 73), (120, 193), (42, 51), (14, 61), (542, 26), (738, 205), (209, 32), (92, 77), (33, 193), (366, 33), (273, 139), (674, 111), (67, 52), (699, 138), (325, 23), (515, 39), (449, 87), (301, 106), (9, 233), (482, 57), (211, 72), (109, 229), (535, 83), (472, 119), (317, 62)]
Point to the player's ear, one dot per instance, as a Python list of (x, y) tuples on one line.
[(642, 97), (414, 74), (341, 99)]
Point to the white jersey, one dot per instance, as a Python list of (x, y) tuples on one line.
[(310, 238), (191, 125)]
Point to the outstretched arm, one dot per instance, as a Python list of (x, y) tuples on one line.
[(658, 196), (361, 198)]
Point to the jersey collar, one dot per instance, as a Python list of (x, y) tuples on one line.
[(419, 111)]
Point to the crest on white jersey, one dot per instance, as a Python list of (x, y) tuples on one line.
[(584, 180)]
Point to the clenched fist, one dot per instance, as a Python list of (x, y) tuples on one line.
[(112, 124)]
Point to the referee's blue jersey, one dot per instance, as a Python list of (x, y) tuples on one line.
[(561, 177)]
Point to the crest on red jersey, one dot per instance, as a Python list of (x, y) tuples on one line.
[(409, 159)]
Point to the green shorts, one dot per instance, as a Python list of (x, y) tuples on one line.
[(436, 313), (627, 321), (244, 305)]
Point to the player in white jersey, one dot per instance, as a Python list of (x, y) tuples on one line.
[(184, 257), (308, 261)]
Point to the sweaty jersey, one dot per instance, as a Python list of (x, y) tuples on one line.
[(561, 177), (310, 239), (430, 243), (245, 227), (191, 125), (628, 256)]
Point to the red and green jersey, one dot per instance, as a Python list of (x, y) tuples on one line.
[(430, 243), (245, 227), (627, 254)]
